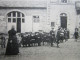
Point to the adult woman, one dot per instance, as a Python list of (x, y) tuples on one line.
[(12, 45), (76, 35)]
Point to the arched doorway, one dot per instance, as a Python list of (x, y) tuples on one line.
[(63, 20), (15, 18)]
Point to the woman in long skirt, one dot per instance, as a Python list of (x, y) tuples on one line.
[(76, 35), (12, 45)]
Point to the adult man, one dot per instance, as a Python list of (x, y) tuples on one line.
[(52, 34), (58, 37)]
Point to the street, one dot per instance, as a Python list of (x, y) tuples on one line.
[(69, 50)]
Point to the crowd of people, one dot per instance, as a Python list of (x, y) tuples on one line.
[(35, 39), (29, 39)]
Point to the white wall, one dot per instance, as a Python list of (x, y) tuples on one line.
[(29, 13), (55, 12)]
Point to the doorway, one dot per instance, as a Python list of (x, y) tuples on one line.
[(18, 25), (16, 18), (63, 19)]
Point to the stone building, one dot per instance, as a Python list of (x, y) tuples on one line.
[(34, 15)]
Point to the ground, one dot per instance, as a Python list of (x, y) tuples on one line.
[(69, 50)]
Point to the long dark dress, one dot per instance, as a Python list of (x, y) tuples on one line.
[(12, 47), (76, 35)]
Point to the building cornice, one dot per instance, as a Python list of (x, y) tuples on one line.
[(23, 7)]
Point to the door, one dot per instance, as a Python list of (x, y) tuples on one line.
[(18, 25), (63, 22)]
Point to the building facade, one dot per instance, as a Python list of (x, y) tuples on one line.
[(31, 16)]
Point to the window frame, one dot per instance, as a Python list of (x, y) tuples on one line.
[(13, 20), (64, 1), (36, 18), (9, 21), (14, 15), (23, 20)]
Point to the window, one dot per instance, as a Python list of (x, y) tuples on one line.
[(14, 20), (64, 1), (18, 14), (36, 19), (22, 15), (52, 24), (14, 15), (9, 19), (23, 20), (9, 14)]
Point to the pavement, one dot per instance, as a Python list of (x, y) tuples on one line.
[(69, 50)]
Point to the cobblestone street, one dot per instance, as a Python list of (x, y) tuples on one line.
[(69, 50)]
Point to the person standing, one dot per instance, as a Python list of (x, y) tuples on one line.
[(39, 39), (12, 45), (66, 35), (58, 37), (3, 41), (76, 34), (19, 39), (52, 34), (61, 35)]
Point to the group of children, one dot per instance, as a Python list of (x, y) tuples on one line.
[(64, 35)]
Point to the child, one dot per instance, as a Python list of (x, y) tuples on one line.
[(3, 41)]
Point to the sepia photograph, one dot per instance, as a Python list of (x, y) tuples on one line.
[(39, 29)]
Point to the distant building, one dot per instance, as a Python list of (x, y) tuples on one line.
[(34, 15)]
